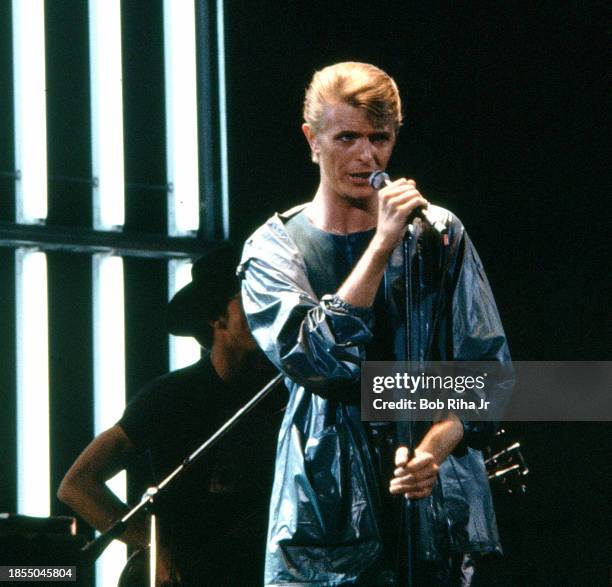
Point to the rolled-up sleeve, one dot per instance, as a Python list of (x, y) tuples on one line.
[(309, 340)]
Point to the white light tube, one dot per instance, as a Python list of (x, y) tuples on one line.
[(184, 350), (30, 110), (109, 383), (33, 478), (223, 118), (181, 116), (106, 113), (153, 549)]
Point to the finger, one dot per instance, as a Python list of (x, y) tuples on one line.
[(426, 483), (419, 462), (420, 466), (401, 474), (420, 489), (417, 494), (404, 205), (401, 456), (394, 182), (399, 489), (394, 191), (396, 200), (400, 181), (402, 484), (412, 492), (412, 482), (413, 204), (402, 477)]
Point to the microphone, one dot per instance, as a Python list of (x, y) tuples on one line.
[(379, 178)]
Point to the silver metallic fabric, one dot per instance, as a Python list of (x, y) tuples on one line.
[(324, 523)]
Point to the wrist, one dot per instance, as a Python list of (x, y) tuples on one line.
[(336, 304), (381, 247), (442, 438)]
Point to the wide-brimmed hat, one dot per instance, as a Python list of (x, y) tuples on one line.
[(213, 283)]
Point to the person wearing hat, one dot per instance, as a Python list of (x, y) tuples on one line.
[(212, 523)]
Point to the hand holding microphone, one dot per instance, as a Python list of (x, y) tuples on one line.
[(379, 179)]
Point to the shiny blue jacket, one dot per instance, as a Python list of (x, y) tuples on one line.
[(323, 523)]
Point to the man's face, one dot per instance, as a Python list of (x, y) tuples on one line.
[(348, 149), (237, 326)]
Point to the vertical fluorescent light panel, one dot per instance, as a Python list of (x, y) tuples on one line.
[(109, 382), (153, 549), (106, 112), (181, 116), (33, 478), (184, 350), (223, 118), (30, 110)]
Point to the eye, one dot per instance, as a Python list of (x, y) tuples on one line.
[(381, 137), (346, 137)]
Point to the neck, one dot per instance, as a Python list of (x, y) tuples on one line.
[(341, 214)]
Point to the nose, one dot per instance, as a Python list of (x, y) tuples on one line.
[(366, 152)]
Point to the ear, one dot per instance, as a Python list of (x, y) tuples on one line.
[(311, 137), (219, 323)]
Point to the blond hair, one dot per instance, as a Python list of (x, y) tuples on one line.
[(358, 84)]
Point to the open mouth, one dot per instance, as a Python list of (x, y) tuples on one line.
[(359, 178)]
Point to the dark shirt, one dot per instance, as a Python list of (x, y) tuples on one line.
[(214, 519), (330, 258)]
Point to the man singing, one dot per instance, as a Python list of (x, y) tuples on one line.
[(323, 290)]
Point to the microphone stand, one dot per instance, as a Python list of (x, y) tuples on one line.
[(406, 428), (409, 507), (91, 551)]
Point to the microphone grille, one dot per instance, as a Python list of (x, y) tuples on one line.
[(377, 179)]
